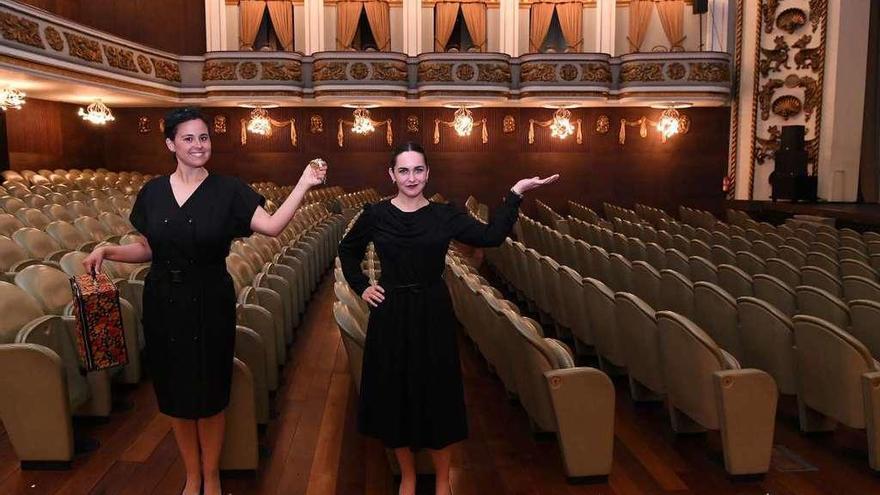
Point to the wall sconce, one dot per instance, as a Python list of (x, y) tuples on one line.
[(668, 123), (671, 123), (11, 98), (363, 124), (561, 126), (463, 124), (261, 124), (97, 113)]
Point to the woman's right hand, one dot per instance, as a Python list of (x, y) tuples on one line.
[(374, 295), (93, 261)]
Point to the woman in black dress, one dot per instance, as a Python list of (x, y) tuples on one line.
[(411, 393), (188, 220)]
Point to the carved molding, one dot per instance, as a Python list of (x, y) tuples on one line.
[(641, 72)]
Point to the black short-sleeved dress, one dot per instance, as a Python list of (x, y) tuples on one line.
[(411, 389), (189, 299)]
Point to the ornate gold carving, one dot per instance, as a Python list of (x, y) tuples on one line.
[(120, 58), (144, 64), (247, 70), (389, 71), (20, 30), (214, 70), (435, 72), (464, 72), (167, 70), (53, 37), (220, 122), (84, 48), (812, 92), (818, 12), (790, 20), (412, 124), (641, 72), (537, 72), (765, 96), (709, 72), (684, 124), (359, 70), (595, 73), (777, 57), (676, 71), (493, 73), (787, 106), (766, 148), (328, 71), (768, 13), (143, 123), (316, 124), (808, 58), (603, 124), (281, 71), (568, 72), (509, 124)]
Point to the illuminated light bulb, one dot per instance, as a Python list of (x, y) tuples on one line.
[(561, 127), (669, 122), (463, 123), (97, 113), (363, 124), (259, 122), (11, 98)]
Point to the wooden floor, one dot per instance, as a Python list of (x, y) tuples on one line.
[(312, 446)]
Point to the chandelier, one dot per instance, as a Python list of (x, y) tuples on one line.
[(463, 121), (11, 98), (669, 123), (259, 122), (561, 127), (97, 113), (363, 124)]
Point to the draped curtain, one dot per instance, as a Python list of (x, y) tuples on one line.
[(639, 17), (474, 14), (571, 16), (347, 16), (671, 14), (380, 23), (445, 13), (281, 14), (251, 17), (539, 24)]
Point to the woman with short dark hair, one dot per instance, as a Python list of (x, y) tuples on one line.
[(411, 393), (188, 220)]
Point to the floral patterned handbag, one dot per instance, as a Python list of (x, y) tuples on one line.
[(100, 338)]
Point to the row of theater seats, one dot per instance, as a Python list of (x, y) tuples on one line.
[(272, 276), (757, 327)]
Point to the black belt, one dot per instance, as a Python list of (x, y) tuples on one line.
[(179, 274), (413, 288)]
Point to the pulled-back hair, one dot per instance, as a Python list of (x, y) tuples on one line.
[(177, 116), (404, 147)]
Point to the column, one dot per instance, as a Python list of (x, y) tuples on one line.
[(215, 25), (717, 23), (509, 17), (605, 25), (412, 27), (314, 26)]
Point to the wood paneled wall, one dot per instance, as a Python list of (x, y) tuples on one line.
[(686, 170), (177, 26)]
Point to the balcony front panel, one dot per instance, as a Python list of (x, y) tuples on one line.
[(698, 77), (360, 75), (258, 74), (474, 76), (580, 77)]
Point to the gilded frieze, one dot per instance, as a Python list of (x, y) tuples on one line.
[(120, 58), (774, 59), (812, 92), (167, 70), (595, 73), (389, 71), (84, 48), (359, 71), (53, 37), (329, 71), (676, 71), (281, 71), (247, 70), (568, 72), (765, 96), (435, 72), (464, 72), (493, 73), (144, 64), (641, 72), (20, 30), (219, 71), (537, 72), (808, 58)]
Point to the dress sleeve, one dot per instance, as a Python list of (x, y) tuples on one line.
[(244, 203), (352, 249), (138, 214), (469, 230)]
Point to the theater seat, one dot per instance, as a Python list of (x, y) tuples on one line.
[(353, 338), (715, 313), (240, 445), (640, 345), (38, 244), (250, 350), (775, 292), (767, 341), (600, 303), (820, 303), (736, 282), (18, 309), (865, 316)]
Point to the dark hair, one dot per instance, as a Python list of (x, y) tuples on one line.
[(180, 115), (407, 146)]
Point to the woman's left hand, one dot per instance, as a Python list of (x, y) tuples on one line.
[(532, 183), (313, 176)]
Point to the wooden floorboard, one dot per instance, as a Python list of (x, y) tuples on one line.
[(313, 448)]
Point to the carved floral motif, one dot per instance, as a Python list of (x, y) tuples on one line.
[(768, 12), (412, 124), (84, 48), (389, 71), (435, 72), (120, 58), (167, 70), (21, 30), (676, 71), (218, 71), (359, 70), (812, 92), (568, 72), (508, 124), (328, 71), (641, 72), (537, 72), (493, 73), (603, 124), (316, 124), (765, 96), (53, 37), (247, 70), (281, 71), (464, 72), (595, 73), (220, 122), (144, 64)]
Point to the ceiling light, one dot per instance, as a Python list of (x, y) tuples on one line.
[(97, 113), (363, 124), (669, 123), (463, 122), (259, 122), (11, 98), (561, 127)]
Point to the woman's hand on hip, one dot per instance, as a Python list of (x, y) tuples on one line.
[(374, 295), (92, 263), (533, 183)]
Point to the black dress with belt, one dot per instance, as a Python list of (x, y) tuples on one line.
[(411, 390), (189, 299)]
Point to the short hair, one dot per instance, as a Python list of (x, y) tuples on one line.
[(180, 115), (407, 146)]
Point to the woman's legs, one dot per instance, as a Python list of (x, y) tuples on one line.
[(407, 471), (187, 435), (211, 431), (441, 460)]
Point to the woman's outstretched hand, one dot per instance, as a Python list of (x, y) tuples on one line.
[(314, 174), (532, 183), (374, 295)]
